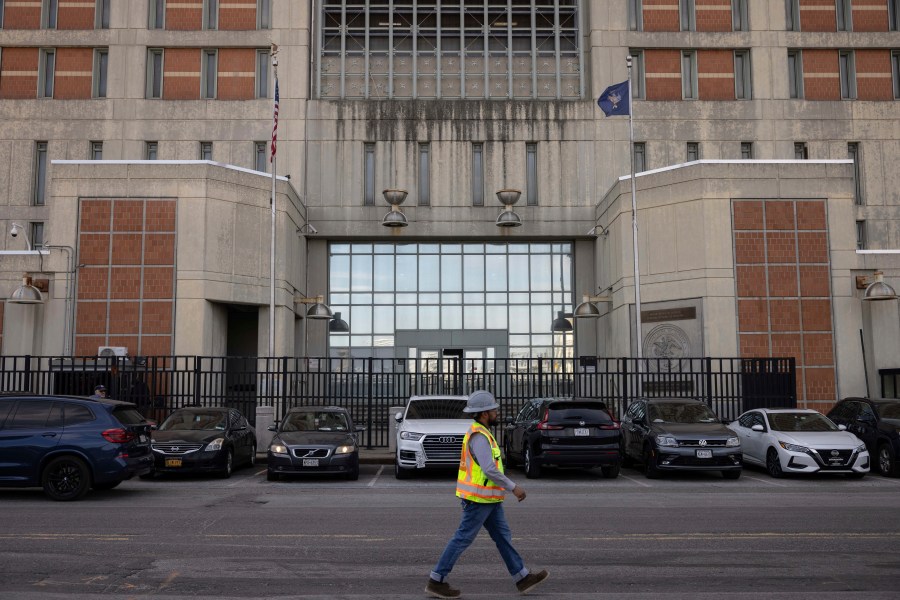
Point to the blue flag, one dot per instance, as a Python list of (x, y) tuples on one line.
[(614, 99)]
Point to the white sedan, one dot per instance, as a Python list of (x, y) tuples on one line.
[(799, 441)]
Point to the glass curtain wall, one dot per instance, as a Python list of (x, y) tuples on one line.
[(518, 288)]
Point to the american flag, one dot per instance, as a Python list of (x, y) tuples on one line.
[(275, 125)]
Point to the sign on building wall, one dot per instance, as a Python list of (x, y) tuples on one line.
[(671, 331)]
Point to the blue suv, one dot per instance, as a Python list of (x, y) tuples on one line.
[(69, 444)]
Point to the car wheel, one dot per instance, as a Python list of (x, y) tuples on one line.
[(532, 467), (887, 464), (105, 486), (229, 464), (270, 476), (773, 464), (66, 478), (399, 472), (651, 470), (510, 461), (731, 474), (610, 472)]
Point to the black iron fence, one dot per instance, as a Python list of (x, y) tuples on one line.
[(370, 387)]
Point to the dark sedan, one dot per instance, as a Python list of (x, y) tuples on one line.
[(674, 434), (876, 421), (314, 440), (204, 440), (563, 432)]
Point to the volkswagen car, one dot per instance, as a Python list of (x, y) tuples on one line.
[(799, 441), (314, 440), (678, 434), (430, 434)]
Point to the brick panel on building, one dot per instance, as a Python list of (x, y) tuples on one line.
[(75, 14), (185, 15), (661, 15), (715, 74), (22, 14), (818, 15), (18, 72), (662, 74), (237, 74), (181, 74), (870, 15), (874, 80), (237, 15), (821, 75), (74, 73), (713, 15)]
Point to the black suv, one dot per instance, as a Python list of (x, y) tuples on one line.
[(876, 421), (563, 432), (679, 434), (69, 444)]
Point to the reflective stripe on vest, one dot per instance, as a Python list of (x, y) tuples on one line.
[(471, 482)]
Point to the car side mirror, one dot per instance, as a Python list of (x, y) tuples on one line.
[(359, 428), (272, 428), (842, 427), (398, 417), (867, 419), (758, 427)]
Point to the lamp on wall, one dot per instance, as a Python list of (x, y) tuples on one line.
[(318, 310), (876, 288), (26, 293), (395, 218), (508, 218), (338, 325), (587, 309), (561, 323)]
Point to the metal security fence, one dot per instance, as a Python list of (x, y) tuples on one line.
[(369, 387)]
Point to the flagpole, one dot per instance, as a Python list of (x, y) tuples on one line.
[(634, 233), (272, 207)]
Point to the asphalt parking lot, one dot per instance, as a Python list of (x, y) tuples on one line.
[(683, 536)]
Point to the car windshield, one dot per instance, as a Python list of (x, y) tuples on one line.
[(194, 421), (315, 421), (437, 408), (890, 410), (800, 421), (689, 412)]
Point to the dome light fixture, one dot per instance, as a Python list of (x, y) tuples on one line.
[(26, 293), (508, 218), (879, 290), (395, 218)]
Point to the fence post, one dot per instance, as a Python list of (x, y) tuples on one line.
[(284, 384), (196, 393), (540, 378), (369, 417), (793, 379), (625, 391), (27, 385), (707, 363)]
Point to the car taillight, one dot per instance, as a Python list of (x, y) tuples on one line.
[(544, 425), (613, 425), (118, 436)]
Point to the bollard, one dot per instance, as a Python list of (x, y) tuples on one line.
[(392, 426), (265, 416)]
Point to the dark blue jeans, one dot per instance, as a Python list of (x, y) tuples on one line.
[(475, 515)]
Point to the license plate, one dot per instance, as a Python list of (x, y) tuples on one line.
[(582, 431), (704, 453), (173, 462), (310, 462)]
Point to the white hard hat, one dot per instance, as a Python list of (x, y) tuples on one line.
[(480, 401)]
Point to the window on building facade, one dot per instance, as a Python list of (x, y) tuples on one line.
[(260, 161), (479, 49), (96, 150), (46, 75), (210, 14), (478, 174), (795, 74), (37, 234), (746, 150), (101, 14), (848, 74), (689, 75), (263, 14), (637, 73), (531, 174), (801, 151), (739, 15), (640, 157), (369, 174), (844, 9), (208, 74), (262, 73), (792, 15), (853, 154), (39, 186), (151, 150), (157, 14), (742, 79), (155, 73), (49, 10), (101, 62), (895, 68), (894, 14), (688, 15), (861, 236), (424, 175), (206, 151), (636, 15), (693, 151)]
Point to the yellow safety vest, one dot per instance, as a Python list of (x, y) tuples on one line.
[(471, 482)]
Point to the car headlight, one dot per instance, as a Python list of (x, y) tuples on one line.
[(665, 440), (411, 435), (793, 447), (344, 449), (215, 445), (733, 442), (278, 449), (860, 448)]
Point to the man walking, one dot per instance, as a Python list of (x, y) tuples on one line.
[(481, 484)]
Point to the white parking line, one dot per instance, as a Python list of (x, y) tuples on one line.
[(637, 481), (260, 472), (879, 477), (377, 475), (769, 481)]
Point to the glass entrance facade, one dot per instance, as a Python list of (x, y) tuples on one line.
[(383, 288)]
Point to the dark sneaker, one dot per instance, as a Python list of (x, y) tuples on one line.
[(531, 581), (440, 589)]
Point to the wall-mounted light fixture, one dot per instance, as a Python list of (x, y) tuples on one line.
[(395, 218), (561, 323), (508, 218), (338, 325), (307, 228), (598, 231), (26, 293), (876, 288), (318, 310), (587, 309)]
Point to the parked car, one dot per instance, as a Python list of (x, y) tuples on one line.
[(430, 434), (314, 440), (204, 440), (69, 444), (678, 434), (799, 441), (563, 432), (876, 421)]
